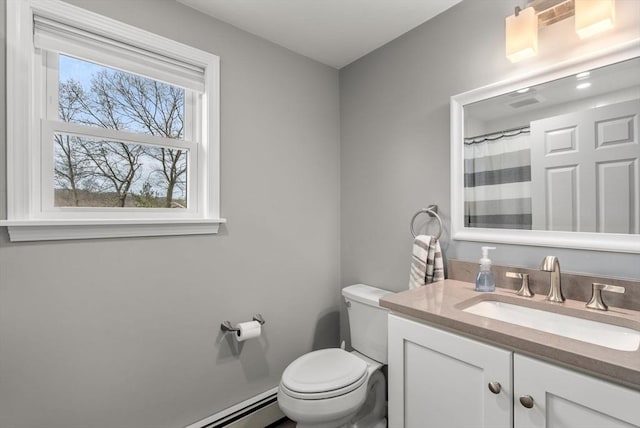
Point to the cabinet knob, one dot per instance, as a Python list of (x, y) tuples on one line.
[(526, 401), (495, 387)]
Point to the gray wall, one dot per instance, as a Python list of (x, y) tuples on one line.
[(395, 136), (124, 333)]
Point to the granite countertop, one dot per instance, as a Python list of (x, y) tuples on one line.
[(442, 303)]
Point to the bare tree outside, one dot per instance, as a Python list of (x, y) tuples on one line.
[(93, 172), (70, 166)]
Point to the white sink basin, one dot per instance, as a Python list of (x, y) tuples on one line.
[(598, 333)]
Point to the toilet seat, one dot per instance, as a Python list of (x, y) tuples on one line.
[(324, 374)]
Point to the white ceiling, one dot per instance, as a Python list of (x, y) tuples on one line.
[(334, 32)]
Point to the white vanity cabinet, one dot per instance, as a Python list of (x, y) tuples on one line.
[(438, 379), (565, 398)]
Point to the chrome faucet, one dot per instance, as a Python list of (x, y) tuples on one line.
[(551, 264)]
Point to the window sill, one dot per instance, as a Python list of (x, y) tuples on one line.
[(53, 230)]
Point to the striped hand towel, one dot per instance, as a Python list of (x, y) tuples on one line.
[(426, 261)]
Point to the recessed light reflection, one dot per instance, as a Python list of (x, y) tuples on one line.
[(582, 75), (523, 90), (584, 85)]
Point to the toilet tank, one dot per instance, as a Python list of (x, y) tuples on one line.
[(367, 320)]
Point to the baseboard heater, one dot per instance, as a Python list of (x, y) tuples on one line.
[(241, 410)]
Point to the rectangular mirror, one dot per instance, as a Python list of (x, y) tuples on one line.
[(552, 159)]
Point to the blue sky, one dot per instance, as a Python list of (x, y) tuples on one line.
[(78, 70)]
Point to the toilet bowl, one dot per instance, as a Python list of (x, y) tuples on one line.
[(333, 388)]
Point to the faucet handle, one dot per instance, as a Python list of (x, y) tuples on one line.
[(524, 291), (596, 301)]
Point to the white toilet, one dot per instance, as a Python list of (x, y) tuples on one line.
[(334, 388)]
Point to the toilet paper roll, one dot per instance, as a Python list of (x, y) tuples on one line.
[(248, 330)]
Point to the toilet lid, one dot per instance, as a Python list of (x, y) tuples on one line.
[(322, 371)]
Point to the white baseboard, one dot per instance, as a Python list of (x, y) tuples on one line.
[(262, 416)]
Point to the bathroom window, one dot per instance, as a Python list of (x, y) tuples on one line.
[(118, 139), (118, 133)]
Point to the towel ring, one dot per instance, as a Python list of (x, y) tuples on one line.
[(432, 210)]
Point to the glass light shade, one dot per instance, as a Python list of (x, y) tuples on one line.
[(594, 16), (521, 35)]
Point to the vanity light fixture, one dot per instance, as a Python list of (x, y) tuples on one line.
[(594, 16), (521, 28), (521, 34)]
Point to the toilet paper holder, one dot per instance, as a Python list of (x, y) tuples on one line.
[(227, 327)]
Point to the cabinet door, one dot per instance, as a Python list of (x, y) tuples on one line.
[(563, 398), (440, 380)]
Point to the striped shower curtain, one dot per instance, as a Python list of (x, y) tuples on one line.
[(497, 181)]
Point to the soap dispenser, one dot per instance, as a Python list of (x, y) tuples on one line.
[(485, 280)]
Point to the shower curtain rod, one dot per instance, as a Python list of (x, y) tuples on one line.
[(498, 134)]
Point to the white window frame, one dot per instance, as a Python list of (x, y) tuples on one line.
[(31, 123)]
